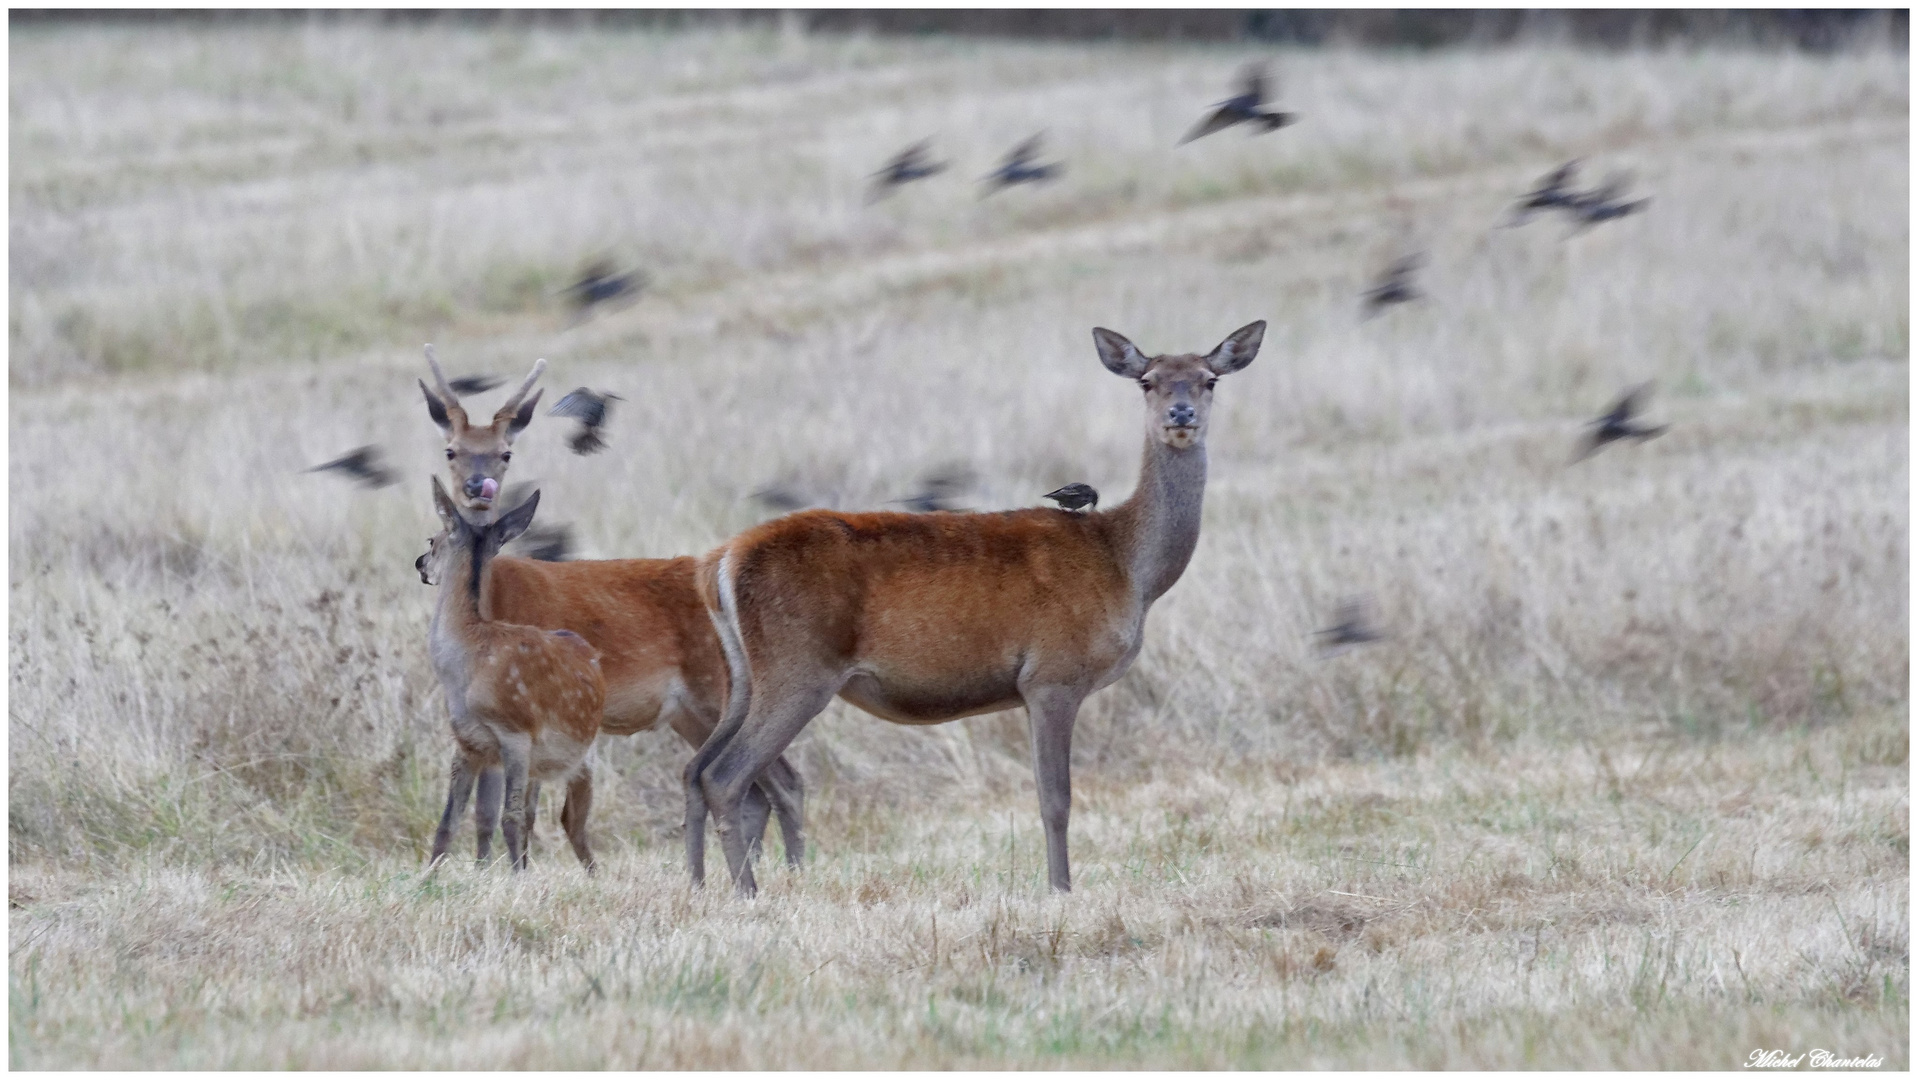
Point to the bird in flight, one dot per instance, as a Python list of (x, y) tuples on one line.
[(363, 465), (601, 283), (1394, 286), (1552, 193), (473, 384), (1075, 497), (1617, 423), (547, 543), (1018, 168), (1350, 627), (910, 164), (938, 489), (1245, 107), (589, 408), (1603, 203)]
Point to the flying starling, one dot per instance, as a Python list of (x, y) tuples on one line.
[(362, 465), (1018, 167), (910, 164), (1245, 107), (589, 408), (1394, 286), (1551, 194), (547, 543), (1075, 497), (938, 489), (601, 283), (473, 384), (1617, 423), (1350, 628)]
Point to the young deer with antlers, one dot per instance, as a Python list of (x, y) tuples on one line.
[(658, 652), (524, 700), (922, 618)]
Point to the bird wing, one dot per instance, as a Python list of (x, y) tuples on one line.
[(1629, 403), (1560, 176), (1025, 151), (474, 384), (1219, 120), (582, 405), (1252, 83)]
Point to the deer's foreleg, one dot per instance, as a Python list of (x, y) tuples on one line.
[(486, 811), (513, 753), (1051, 712), (459, 789)]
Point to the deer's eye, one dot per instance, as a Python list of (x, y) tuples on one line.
[(1210, 383), (507, 456), (449, 453), (1145, 384)]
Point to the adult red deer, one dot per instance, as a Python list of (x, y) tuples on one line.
[(924, 618), (657, 650)]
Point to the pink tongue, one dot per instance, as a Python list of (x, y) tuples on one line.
[(489, 487)]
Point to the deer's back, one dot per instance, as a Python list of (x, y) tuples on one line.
[(939, 613), (644, 617), (546, 684)]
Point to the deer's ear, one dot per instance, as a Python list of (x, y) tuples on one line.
[(518, 421), (443, 506), (514, 521), (1120, 356), (436, 409), (1238, 350)]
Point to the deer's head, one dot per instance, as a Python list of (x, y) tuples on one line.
[(459, 533), (1178, 389), (476, 456)]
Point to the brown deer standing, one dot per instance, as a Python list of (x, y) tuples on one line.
[(920, 619), (658, 652), (523, 700)]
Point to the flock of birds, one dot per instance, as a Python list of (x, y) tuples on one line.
[(603, 285)]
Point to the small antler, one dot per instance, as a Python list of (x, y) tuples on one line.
[(519, 396), (452, 416)]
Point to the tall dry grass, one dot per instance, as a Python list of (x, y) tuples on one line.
[(1626, 786)]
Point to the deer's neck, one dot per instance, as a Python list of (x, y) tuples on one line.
[(462, 602), (1161, 519)]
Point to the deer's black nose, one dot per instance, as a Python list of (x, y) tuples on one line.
[(474, 485), (1182, 415)]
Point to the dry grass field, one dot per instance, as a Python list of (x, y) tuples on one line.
[(1626, 786)]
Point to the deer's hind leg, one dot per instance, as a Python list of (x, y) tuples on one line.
[(787, 790), (773, 721), (572, 816)]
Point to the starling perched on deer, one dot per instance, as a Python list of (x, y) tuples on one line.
[(1019, 168), (589, 408), (1350, 628), (1552, 193), (910, 164), (473, 384), (1617, 423), (1394, 286), (362, 465), (1245, 107), (1075, 497), (601, 283)]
